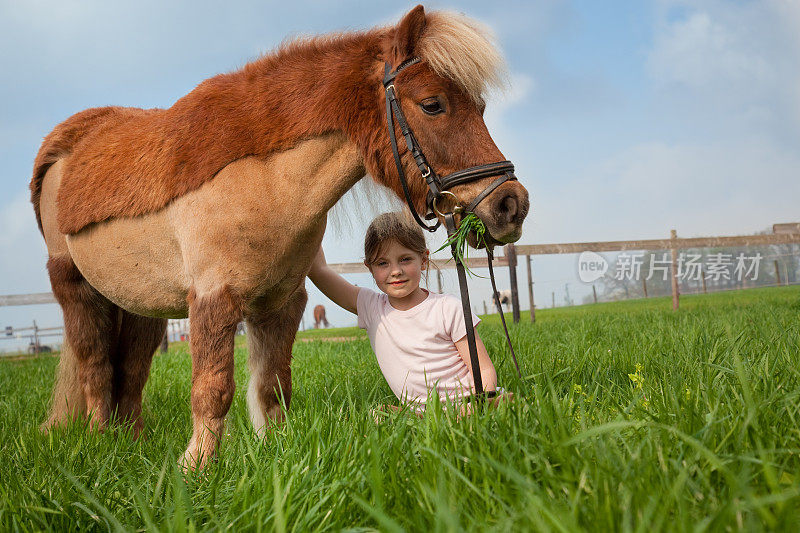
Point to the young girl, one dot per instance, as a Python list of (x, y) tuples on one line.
[(418, 336)]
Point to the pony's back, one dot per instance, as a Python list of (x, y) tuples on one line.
[(62, 140)]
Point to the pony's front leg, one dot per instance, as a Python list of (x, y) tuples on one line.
[(270, 336), (213, 317)]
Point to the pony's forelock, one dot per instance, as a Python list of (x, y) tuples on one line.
[(463, 50)]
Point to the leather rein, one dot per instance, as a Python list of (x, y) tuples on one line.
[(438, 187)]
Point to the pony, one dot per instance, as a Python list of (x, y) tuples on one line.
[(319, 317), (504, 297), (214, 208)]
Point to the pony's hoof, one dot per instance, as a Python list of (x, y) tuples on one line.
[(46, 426), (194, 460), (137, 430), (56, 422)]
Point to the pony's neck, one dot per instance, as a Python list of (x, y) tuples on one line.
[(307, 89)]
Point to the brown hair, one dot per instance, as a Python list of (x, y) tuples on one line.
[(393, 226)]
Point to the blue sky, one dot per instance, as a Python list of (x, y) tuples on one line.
[(624, 119)]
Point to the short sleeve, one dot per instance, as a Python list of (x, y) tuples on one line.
[(366, 307), (453, 313)]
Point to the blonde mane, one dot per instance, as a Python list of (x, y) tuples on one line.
[(463, 50)]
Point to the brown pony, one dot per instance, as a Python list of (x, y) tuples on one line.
[(319, 317), (215, 207)]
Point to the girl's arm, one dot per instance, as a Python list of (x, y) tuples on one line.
[(488, 374), (339, 290)]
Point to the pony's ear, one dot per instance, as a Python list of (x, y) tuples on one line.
[(407, 34)]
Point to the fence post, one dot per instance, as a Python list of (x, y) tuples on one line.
[(703, 277), (777, 274), (511, 254), (554, 299), (594, 292), (675, 296), (644, 285), (485, 310), (165, 342), (35, 338), (530, 290)]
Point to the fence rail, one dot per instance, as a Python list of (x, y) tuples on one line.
[(27, 299), (659, 244), (791, 227), (784, 233)]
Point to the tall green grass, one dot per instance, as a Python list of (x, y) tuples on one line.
[(630, 417)]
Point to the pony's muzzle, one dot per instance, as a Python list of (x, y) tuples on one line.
[(504, 211)]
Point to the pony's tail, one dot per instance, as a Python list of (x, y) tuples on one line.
[(68, 401), (59, 143)]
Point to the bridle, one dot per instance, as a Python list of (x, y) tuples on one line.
[(438, 188)]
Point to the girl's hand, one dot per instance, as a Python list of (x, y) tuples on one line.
[(488, 374)]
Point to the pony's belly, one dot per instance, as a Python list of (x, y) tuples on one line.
[(256, 227), (134, 262)]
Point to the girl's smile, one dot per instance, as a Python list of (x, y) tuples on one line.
[(397, 272)]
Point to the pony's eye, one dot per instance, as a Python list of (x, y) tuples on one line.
[(432, 106)]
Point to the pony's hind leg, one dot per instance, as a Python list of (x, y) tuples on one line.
[(139, 338), (68, 401), (90, 331), (213, 318), (270, 335)]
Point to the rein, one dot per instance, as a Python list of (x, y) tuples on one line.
[(437, 188)]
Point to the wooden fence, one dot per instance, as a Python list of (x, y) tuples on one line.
[(788, 233), (781, 234)]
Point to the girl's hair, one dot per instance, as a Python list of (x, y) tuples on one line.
[(394, 226)]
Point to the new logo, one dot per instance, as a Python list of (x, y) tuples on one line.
[(591, 266)]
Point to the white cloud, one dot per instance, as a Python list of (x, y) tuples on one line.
[(648, 189), (701, 51), (731, 64), (521, 86), (22, 263), (15, 218)]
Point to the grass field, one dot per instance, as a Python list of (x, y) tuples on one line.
[(630, 417)]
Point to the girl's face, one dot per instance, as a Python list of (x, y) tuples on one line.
[(397, 270)]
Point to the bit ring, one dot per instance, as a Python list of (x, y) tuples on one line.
[(457, 209)]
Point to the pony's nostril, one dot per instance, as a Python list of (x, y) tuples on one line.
[(509, 207)]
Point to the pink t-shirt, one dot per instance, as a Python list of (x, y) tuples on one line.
[(416, 348)]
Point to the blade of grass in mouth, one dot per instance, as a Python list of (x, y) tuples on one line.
[(470, 223)]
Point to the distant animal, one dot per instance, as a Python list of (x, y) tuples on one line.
[(215, 207), (319, 317), (42, 348), (505, 298)]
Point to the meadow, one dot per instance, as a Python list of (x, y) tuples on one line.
[(629, 417)]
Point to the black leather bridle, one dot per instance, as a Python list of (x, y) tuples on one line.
[(437, 188)]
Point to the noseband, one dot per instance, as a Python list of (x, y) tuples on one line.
[(437, 186)]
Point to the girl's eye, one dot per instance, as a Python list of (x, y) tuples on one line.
[(432, 106)]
